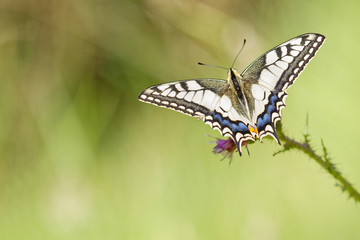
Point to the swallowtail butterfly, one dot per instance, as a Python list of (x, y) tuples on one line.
[(246, 106)]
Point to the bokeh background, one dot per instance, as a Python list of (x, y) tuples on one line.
[(82, 158)]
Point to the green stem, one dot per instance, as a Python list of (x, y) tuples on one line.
[(323, 161)]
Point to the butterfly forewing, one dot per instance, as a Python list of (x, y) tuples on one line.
[(278, 68), (198, 97)]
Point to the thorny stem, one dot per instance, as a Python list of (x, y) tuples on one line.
[(324, 161)]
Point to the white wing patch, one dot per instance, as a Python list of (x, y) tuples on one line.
[(287, 59), (294, 53), (261, 96), (208, 99), (283, 65), (268, 79), (181, 95), (277, 71), (297, 48), (193, 85), (179, 87), (163, 87), (234, 115), (257, 92), (198, 97), (189, 96), (271, 57), (225, 103), (166, 92)]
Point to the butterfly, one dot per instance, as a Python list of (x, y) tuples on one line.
[(246, 106)]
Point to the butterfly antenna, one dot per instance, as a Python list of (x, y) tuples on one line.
[(237, 55), (203, 64)]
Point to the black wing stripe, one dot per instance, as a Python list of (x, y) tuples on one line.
[(299, 62)]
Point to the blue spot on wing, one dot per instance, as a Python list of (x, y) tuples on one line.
[(270, 109), (274, 98), (239, 127), (219, 119), (264, 119), (234, 126)]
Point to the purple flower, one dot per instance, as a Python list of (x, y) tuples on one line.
[(224, 146)]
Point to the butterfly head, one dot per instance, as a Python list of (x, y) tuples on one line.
[(234, 78), (233, 73)]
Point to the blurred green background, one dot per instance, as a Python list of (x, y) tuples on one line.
[(82, 158)]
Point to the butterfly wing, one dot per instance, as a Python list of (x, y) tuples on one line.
[(231, 119), (211, 100), (269, 76), (197, 98)]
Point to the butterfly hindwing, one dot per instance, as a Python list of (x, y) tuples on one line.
[(230, 119)]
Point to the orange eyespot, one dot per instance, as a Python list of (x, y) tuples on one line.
[(253, 129)]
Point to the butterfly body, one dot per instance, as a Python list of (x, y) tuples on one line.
[(246, 106)]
